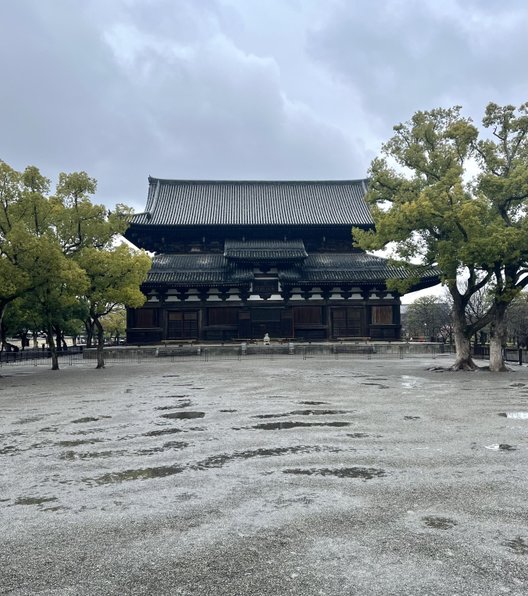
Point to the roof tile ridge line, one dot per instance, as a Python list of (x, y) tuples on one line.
[(365, 185), (335, 181), (152, 209)]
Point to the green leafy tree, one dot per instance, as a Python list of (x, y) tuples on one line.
[(503, 183), (25, 238), (114, 324), (86, 233), (427, 207), (79, 222), (115, 277), (61, 281)]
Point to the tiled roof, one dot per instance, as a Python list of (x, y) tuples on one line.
[(199, 269), (191, 203), (265, 250), (353, 268), (324, 269)]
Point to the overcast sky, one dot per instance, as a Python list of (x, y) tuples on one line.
[(241, 89)]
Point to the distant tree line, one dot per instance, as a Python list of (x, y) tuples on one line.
[(430, 318), (445, 193), (61, 265)]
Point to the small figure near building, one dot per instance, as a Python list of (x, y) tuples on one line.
[(266, 339)]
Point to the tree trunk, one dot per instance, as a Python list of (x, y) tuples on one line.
[(89, 327), (498, 333), (463, 360), (100, 344), (53, 350), (3, 338)]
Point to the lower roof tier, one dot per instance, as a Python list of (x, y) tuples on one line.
[(362, 269)]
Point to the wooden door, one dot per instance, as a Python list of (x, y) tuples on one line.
[(182, 324)]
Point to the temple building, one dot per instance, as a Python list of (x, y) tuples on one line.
[(234, 260)]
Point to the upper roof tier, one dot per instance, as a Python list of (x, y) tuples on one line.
[(255, 203), (265, 250)]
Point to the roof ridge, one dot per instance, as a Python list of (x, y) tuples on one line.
[(335, 181)]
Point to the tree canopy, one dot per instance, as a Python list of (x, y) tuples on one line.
[(446, 193), (60, 258)]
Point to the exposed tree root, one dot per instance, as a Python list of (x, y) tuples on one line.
[(467, 365), (503, 368)]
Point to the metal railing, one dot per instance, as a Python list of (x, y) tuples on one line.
[(73, 355), (245, 351)]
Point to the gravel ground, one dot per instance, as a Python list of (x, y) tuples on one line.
[(250, 477)]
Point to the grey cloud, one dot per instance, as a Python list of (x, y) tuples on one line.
[(126, 89), (404, 56)]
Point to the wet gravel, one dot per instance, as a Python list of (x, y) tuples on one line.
[(396, 480)]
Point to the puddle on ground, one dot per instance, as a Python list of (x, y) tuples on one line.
[(411, 417), (162, 431), (183, 415), (170, 376), (89, 419), (354, 472), (49, 429), (439, 523), (9, 450), (228, 411), (140, 474), (318, 412), (517, 415), (357, 435), (72, 455), (293, 424), (501, 447), (303, 413), (217, 461), (314, 403), (283, 502), (183, 404), (34, 500), (517, 384), (178, 396), (517, 545), (88, 431), (164, 447), (282, 415), (77, 442), (380, 385), (29, 419)]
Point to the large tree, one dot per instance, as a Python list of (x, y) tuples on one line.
[(503, 183), (62, 282), (26, 241), (58, 252), (115, 277), (441, 195)]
